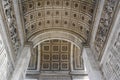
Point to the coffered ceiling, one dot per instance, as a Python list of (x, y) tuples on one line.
[(74, 16), (56, 55), (71, 16)]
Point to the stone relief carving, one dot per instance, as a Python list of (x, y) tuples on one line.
[(11, 21), (105, 24)]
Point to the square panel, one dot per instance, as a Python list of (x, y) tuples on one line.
[(56, 22), (73, 24), (66, 3), (57, 12), (64, 57), (75, 5), (66, 22), (39, 4), (74, 15), (55, 56), (46, 56), (33, 26), (32, 16), (55, 48), (81, 28), (30, 6), (66, 13), (64, 48), (83, 7), (40, 24), (46, 48), (48, 23), (48, 3), (90, 9), (45, 66), (64, 66), (48, 13), (40, 14), (55, 66), (57, 3)]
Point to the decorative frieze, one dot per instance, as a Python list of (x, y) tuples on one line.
[(105, 25), (11, 23)]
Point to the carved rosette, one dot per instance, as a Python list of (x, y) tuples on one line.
[(105, 25), (11, 23)]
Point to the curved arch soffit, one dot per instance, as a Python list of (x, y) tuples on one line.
[(57, 35)]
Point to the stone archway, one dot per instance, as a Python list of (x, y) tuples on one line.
[(61, 35)]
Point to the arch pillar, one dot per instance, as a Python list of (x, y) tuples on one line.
[(22, 64), (92, 65)]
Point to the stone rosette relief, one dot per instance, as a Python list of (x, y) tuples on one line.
[(74, 16), (105, 25)]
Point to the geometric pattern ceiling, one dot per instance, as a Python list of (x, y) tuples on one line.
[(56, 55), (68, 15)]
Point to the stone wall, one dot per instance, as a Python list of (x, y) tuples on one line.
[(6, 68), (110, 64)]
